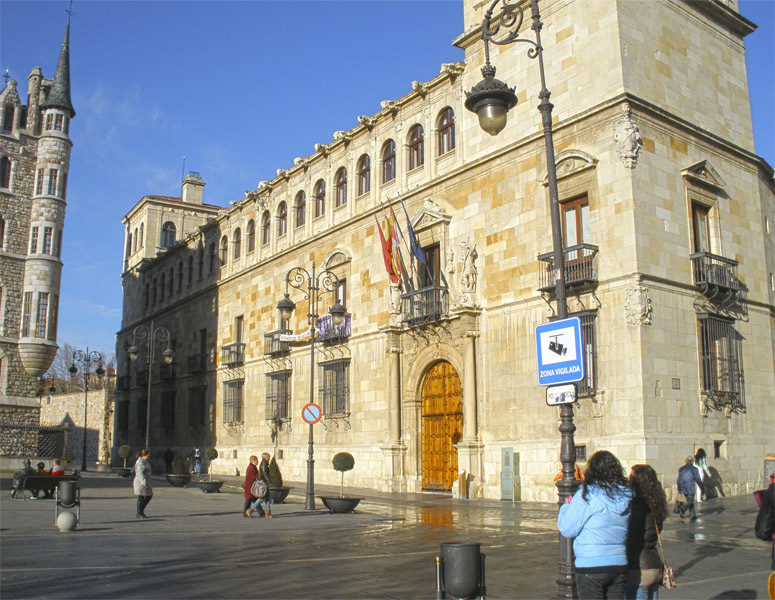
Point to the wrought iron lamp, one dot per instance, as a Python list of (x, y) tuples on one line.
[(86, 359)]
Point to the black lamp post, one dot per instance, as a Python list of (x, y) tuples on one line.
[(313, 286), (86, 359), (159, 334), (491, 100)]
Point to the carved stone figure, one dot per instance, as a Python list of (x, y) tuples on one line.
[(637, 306), (469, 275), (627, 138)]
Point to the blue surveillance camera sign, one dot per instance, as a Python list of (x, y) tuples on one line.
[(560, 352)]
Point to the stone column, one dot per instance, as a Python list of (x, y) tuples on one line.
[(393, 450), (394, 394), (470, 424)]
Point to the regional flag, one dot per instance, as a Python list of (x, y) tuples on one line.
[(386, 254)]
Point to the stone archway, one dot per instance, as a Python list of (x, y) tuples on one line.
[(441, 425)]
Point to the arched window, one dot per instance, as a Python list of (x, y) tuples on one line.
[(142, 235), (147, 295), (250, 233), (364, 175), (416, 147), (180, 275), (8, 118), (388, 161), (282, 219), (266, 228), (319, 197), (171, 282), (212, 256), (168, 235), (154, 288), (2, 232), (162, 280), (341, 187), (224, 250), (446, 128), (301, 209), (134, 245), (5, 172), (201, 262), (237, 243), (190, 270)]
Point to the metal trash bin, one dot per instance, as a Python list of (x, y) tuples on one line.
[(460, 571)]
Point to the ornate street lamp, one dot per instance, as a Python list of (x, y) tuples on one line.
[(313, 287), (48, 378), (491, 100), (86, 359), (152, 336)]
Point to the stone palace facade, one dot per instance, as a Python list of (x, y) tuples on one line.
[(667, 218)]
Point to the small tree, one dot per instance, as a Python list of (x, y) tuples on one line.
[(275, 476), (210, 454), (342, 462), (125, 452), (179, 466)]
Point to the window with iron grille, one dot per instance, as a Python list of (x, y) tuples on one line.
[(278, 394), (197, 407), (588, 385), (168, 410), (232, 401), (334, 387), (721, 357)]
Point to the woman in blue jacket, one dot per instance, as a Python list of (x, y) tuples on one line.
[(596, 518)]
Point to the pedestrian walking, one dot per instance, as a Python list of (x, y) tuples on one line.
[(764, 528), (700, 463), (251, 474), (649, 510), (169, 457), (596, 518), (142, 482), (263, 475), (687, 478)]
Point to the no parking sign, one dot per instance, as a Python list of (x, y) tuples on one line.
[(311, 413)]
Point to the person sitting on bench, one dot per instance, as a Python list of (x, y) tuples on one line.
[(56, 468)]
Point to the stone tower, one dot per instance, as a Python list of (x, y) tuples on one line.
[(34, 160)]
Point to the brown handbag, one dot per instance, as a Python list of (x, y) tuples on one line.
[(668, 577)]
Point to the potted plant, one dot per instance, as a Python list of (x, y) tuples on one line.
[(210, 485), (343, 461), (277, 492), (178, 477), (124, 452)]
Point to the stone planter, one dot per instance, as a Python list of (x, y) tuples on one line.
[(335, 504), (122, 471), (178, 480), (277, 495), (208, 487)]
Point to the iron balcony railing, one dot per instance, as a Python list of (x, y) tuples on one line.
[(197, 363), (580, 267), (233, 354), (713, 271), (328, 332), (273, 345), (424, 306)]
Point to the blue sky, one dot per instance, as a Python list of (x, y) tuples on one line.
[(240, 89)]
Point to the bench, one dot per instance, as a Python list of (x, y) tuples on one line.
[(39, 481)]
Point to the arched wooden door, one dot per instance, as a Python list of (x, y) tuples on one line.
[(442, 426)]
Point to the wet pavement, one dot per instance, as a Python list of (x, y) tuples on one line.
[(197, 545)]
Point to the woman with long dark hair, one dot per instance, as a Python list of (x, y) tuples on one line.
[(596, 518), (649, 511)]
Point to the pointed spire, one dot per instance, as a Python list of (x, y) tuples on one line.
[(59, 95)]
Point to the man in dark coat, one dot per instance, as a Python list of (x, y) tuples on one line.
[(687, 477)]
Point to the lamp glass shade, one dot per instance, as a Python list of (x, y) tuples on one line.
[(73, 370), (286, 307), (168, 356), (337, 313), (492, 118), (100, 371), (132, 352)]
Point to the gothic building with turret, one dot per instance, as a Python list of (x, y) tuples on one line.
[(34, 163), (432, 380)]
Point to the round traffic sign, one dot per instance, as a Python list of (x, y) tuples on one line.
[(311, 413)]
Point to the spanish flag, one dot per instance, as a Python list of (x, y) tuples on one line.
[(386, 254)]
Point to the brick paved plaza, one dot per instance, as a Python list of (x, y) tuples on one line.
[(198, 545)]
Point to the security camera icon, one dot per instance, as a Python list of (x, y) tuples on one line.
[(556, 346)]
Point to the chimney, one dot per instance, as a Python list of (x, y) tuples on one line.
[(192, 188)]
